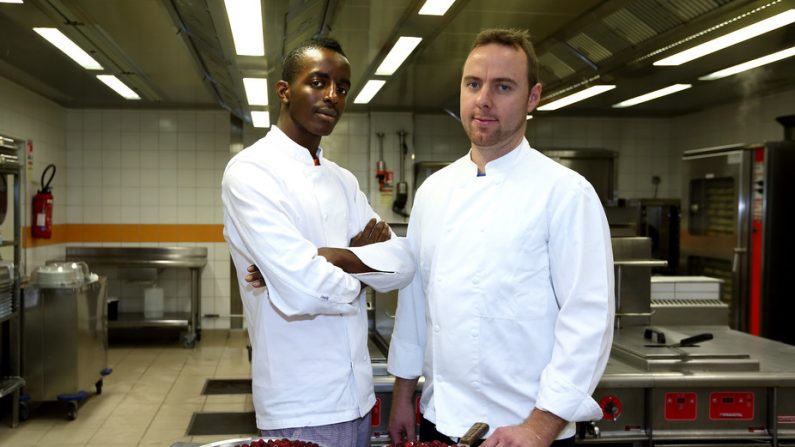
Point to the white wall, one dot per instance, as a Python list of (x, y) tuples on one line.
[(27, 116), (152, 167)]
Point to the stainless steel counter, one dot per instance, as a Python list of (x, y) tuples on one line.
[(696, 396)]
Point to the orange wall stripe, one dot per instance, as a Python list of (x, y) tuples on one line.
[(87, 233)]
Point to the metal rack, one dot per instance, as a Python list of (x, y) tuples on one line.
[(192, 258), (11, 381)]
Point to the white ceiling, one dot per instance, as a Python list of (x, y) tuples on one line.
[(178, 53)]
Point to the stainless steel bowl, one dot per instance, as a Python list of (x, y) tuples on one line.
[(240, 441)]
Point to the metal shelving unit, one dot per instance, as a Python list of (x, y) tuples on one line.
[(192, 258), (11, 380)]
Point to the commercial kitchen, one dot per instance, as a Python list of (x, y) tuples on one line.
[(120, 308)]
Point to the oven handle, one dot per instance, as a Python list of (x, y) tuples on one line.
[(736, 258)]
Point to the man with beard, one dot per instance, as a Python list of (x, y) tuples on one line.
[(509, 315), (303, 221)]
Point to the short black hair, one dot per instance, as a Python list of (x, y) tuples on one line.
[(291, 64)]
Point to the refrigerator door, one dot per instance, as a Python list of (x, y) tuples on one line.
[(716, 223)]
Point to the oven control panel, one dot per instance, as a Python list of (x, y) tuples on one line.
[(734, 405), (681, 406)]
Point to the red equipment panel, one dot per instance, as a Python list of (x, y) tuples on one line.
[(375, 419), (734, 405), (680, 406)]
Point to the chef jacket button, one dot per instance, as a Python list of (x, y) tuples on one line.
[(476, 280), (436, 328)]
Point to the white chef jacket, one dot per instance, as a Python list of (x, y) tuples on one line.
[(511, 307), (308, 328)]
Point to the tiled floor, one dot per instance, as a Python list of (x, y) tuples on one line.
[(149, 398)]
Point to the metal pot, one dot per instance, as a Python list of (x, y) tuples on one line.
[(59, 274)]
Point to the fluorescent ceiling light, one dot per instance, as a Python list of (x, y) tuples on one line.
[(11, 1), (245, 19), (435, 7), (735, 37), (114, 83), (256, 91), (764, 60), (576, 97), (653, 95), (260, 118), (403, 47), (63, 43), (529, 117), (368, 91)]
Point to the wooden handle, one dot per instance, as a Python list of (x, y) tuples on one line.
[(475, 433)]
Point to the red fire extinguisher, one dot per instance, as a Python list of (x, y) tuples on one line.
[(42, 207)]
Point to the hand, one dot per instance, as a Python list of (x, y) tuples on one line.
[(514, 436), (254, 278), (373, 232), (402, 422), (538, 430)]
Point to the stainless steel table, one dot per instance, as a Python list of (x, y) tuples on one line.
[(192, 258)]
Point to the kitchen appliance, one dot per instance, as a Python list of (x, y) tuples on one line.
[(657, 219), (596, 165), (65, 349), (423, 170), (736, 220)]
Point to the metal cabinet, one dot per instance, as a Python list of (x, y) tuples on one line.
[(10, 309)]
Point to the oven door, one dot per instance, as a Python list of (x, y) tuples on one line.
[(715, 230)]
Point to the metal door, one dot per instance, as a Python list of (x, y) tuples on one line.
[(716, 223)]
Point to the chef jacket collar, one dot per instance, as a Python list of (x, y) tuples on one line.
[(498, 169), (293, 149)]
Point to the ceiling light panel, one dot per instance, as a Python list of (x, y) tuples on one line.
[(399, 52), (369, 91), (256, 91), (69, 48), (652, 95), (18, 2), (576, 97), (245, 19), (733, 38), (764, 60), (260, 118), (119, 87), (435, 7)]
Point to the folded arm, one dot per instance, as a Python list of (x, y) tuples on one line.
[(259, 224)]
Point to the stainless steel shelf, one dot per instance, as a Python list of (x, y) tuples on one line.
[(10, 384), (138, 320)]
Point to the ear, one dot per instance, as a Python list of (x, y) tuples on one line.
[(535, 97), (283, 91)]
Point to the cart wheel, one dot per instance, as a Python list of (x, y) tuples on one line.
[(188, 342), (98, 385), (198, 334), (71, 412), (24, 411)]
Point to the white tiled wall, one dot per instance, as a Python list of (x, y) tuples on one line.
[(153, 167), (27, 116), (131, 166)]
